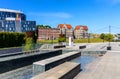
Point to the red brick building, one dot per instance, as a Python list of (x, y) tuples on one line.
[(80, 31), (48, 33)]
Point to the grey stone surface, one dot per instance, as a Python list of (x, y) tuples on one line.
[(66, 70), (49, 63), (17, 61), (106, 68), (27, 72), (115, 46), (20, 73)]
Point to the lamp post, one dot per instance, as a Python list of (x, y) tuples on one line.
[(88, 37), (52, 39), (109, 34), (65, 36), (83, 34), (52, 36), (109, 47)]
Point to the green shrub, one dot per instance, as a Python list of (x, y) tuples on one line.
[(11, 39), (29, 45), (48, 41)]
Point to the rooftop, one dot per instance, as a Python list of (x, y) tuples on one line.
[(10, 10), (68, 26), (80, 26)]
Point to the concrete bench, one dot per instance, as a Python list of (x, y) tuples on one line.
[(9, 63), (67, 70), (82, 47), (59, 46), (44, 65)]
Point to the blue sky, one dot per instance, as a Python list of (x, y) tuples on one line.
[(96, 14)]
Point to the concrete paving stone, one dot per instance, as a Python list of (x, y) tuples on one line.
[(107, 68), (57, 72)]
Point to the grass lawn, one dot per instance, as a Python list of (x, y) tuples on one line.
[(85, 40), (47, 41), (90, 40)]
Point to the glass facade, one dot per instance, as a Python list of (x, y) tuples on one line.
[(15, 22), (8, 26), (4, 15), (28, 25)]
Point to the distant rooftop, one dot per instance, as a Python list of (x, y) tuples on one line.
[(10, 10), (68, 26)]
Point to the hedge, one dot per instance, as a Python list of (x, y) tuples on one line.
[(11, 39)]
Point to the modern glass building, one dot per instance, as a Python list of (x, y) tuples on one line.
[(15, 21)]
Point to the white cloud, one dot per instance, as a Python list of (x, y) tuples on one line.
[(51, 14)]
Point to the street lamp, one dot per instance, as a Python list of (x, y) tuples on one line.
[(65, 35), (88, 37), (52, 35), (109, 47)]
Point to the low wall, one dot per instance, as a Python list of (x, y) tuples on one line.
[(7, 64), (10, 54), (67, 70), (10, 50), (44, 65)]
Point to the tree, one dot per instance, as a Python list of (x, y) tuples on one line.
[(102, 36), (109, 37), (43, 26), (40, 26), (29, 44), (47, 26)]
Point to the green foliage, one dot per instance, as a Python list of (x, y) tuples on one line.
[(40, 26), (47, 41), (11, 39), (29, 44), (102, 36), (47, 26), (118, 34), (43, 26), (86, 40), (107, 37), (32, 35), (61, 38), (29, 40)]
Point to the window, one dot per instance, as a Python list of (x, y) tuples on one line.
[(33, 28), (6, 25), (10, 29), (26, 29), (28, 22)]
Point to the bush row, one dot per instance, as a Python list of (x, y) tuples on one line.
[(10, 39)]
